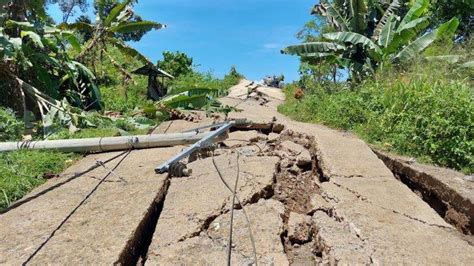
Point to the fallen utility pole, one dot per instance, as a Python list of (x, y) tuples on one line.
[(107, 143), (203, 143)]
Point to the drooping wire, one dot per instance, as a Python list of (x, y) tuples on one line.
[(76, 208), (74, 176), (229, 246), (234, 193)]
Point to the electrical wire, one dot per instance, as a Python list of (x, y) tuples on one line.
[(76, 208), (234, 192), (229, 246), (74, 176)]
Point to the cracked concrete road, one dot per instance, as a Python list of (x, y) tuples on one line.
[(392, 223), (313, 196), (99, 231), (192, 203)]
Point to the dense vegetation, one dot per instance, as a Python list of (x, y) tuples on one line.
[(409, 77), (82, 79)]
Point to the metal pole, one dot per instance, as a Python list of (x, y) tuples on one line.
[(107, 143), (204, 142)]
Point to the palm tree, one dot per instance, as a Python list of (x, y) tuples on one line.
[(107, 26)]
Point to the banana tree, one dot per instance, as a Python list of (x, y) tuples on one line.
[(105, 29), (393, 39), (36, 69)]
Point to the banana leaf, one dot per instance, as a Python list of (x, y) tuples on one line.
[(416, 47), (418, 8), (387, 17), (387, 32), (332, 15), (127, 27), (406, 33), (186, 102), (312, 48), (35, 38), (355, 38), (113, 14)]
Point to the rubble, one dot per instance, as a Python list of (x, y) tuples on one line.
[(299, 228), (302, 155)]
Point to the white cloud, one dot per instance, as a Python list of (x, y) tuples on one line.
[(272, 46)]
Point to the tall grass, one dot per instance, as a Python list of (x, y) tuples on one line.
[(425, 111), (21, 171)]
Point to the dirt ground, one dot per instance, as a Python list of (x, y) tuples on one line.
[(306, 195)]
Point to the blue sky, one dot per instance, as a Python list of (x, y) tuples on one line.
[(220, 33)]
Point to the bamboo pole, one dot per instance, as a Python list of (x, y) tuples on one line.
[(106, 143)]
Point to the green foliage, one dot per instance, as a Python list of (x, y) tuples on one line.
[(21, 171), (176, 63), (114, 19), (206, 81), (424, 119), (10, 127), (442, 10), (363, 46), (426, 112), (200, 91), (38, 57), (234, 75), (118, 95)]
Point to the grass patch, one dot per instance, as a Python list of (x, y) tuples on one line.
[(421, 113), (21, 171)]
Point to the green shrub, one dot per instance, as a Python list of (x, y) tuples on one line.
[(422, 113), (118, 95), (10, 127), (176, 63), (197, 80), (423, 119)]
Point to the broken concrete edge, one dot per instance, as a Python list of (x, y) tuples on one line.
[(137, 246), (265, 128), (450, 204)]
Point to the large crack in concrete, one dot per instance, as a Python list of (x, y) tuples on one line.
[(136, 247), (296, 183), (294, 199), (329, 236), (453, 207)]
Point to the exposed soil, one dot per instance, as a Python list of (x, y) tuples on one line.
[(295, 185)]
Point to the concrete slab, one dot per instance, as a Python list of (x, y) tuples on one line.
[(272, 92), (340, 153), (392, 237), (200, 250), (267, 227), (391, 222), (210, 247), (445, 189), (193, 202), (241, 90), (100, 230), (243, 138), (177, 126)]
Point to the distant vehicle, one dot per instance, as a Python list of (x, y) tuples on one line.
[(274, 81)]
